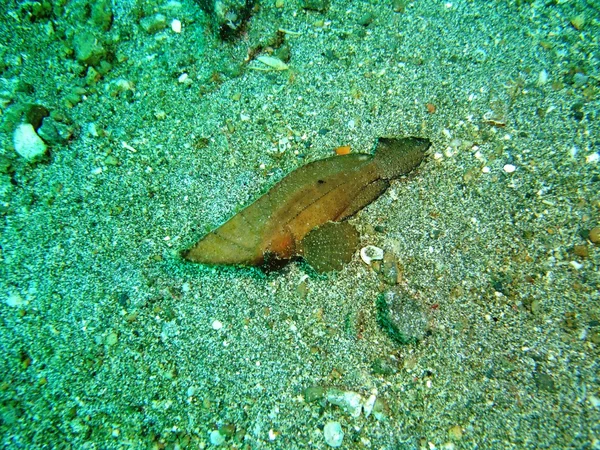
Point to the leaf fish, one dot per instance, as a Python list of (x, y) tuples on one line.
[(304, 214)]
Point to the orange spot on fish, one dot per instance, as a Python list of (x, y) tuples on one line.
[(343, 150)]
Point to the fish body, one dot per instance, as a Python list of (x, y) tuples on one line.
[(272, 230)]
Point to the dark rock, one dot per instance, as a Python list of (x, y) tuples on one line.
[(366, 19), (316, 5), (230, 17), (34, 114), (384, 366), (55, 133)]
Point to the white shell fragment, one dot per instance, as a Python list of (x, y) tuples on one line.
[(371, 253), (333, 433), (272, 62)]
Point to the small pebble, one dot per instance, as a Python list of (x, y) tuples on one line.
[(581, 250), (333, 433), (594, 235), (176, 26), (217, 325), (27, 143), (153, 24), (112, 339), (216, 438), (509, 168)]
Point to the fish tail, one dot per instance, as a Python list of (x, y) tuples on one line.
[(397, 157)]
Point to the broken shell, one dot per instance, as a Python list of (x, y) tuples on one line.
[(371, 253), (272, 62)]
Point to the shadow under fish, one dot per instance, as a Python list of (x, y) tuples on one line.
[(304, 215)]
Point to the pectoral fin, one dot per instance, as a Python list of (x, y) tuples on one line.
[(330, 246)]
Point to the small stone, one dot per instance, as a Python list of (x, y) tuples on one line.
[(384, 366), (227, 430), (580, 79), (371, 253), (217, 325), (509, 168), (88, 49), (399, 6), (216, 438), (594, 235), (581, 250), (333, 433), (27, 143), (92, 76), (102, 15), (316, 5), (366, 19), (455, 433), (578, 22), (35, 114), (112, 339), (381, 410), (176, 26), (154, 23), (313, 393), (544, 382), (111, 160)]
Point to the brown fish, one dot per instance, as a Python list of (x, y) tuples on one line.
[(303, 214)]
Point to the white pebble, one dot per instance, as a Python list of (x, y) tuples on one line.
[(27, 143), (592, 158), (333, 433), (371, 253), (182, 78), (176, 26), (576, 265), (15, 300), (509, 168), (217, 325), (216, 438), (542, 78)]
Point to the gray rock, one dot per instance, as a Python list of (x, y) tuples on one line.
[(154, 23), (402, 317), (333, 434), (54, 133), (88, 48)]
